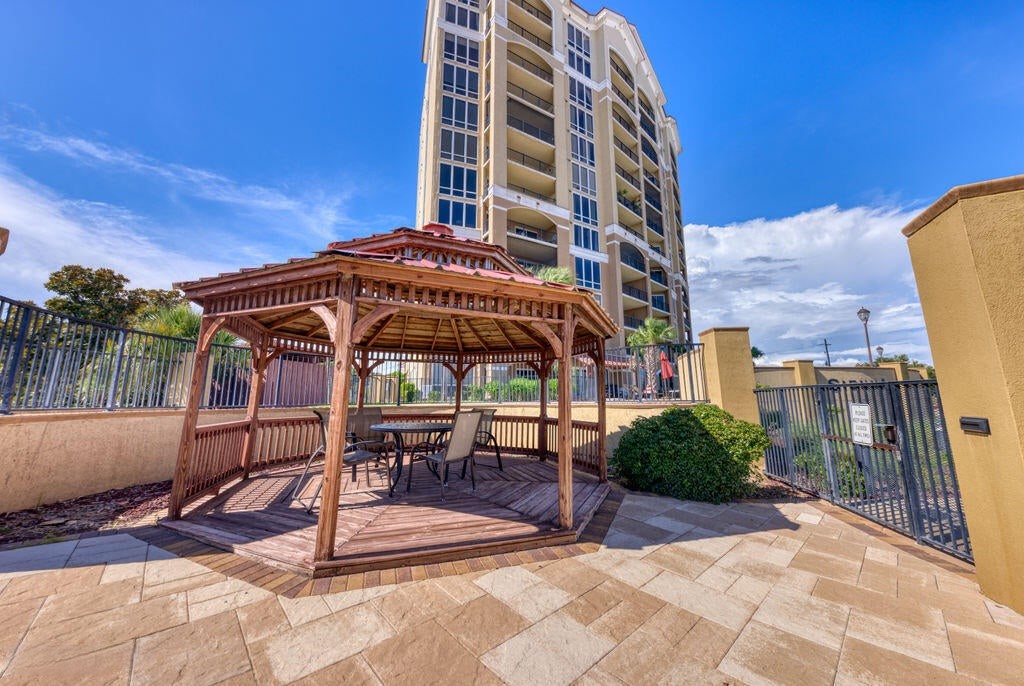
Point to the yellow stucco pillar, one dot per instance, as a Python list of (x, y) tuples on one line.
[(730, 371), (803, 372), (968, 255), (900, 368)]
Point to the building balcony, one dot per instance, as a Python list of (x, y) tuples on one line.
[(530, 98), (531, 68), (655, 227), (529, 36), (623, 74), (531, 130), (626, 99), (646, 110), (631, 322), (533, 11), (648, 126), (635, 293), (631, 205), (654, 201), (531, 193), (649, 151), (660, 303), (533, 233), (625, 150), (635, 262), (521, 158), (626, 125), (658, 277), (627, 177), (652, 179)]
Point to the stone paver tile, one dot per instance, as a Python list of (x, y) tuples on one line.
[(427, 654), (706, 542), (718, 578), (677, 521), (225, 595), (17, 617), (749, 589), (311, 647), (571, 575), (651, 654), (681, 561), (62, 640), (35, 558), (247, 678), (879, 577), (107, 667), (592, 604), (104, 549), (262, 620), (808, 518), (182, 585), (704, 509), (641, 507), (792, 545), (340, 601), (756, 560), (205, 651), (701, 600), (302, 610), (764, 654), (652, 535), (526, 593), (483, 623), (910, 580), (986, 656), (622, 619), (952, 583), (461, 588), (885, 556), (798, 580), (822, 564), (636, 573), (828, 546), (896, 609), (160, 571), (50, 583), (352, 671), (1004, 615), (928, 645), (863, 664), (122, 571), (414, 604), (810, 618), (595, 676), (556, 650), (87, 601)]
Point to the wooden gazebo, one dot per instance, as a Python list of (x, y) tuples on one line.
[(414, 295)]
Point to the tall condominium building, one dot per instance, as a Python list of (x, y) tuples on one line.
[(544, 130)]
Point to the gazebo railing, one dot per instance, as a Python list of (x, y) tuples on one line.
[(280, 440), (216, 457)]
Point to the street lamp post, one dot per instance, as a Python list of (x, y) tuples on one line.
[(863, 314), (878, 351)]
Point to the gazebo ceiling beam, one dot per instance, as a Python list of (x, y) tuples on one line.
[(458, 336), (405, 330), (481, 339), (383, 327), (531, 334), (437, 331), (554, 341), (327, 319), (366, 322), (502, 332), (422, 310)]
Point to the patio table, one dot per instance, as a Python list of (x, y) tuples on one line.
[(399, 429)]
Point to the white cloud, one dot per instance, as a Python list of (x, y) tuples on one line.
[(799, 279)]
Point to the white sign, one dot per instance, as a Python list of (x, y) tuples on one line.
[(860, 423)]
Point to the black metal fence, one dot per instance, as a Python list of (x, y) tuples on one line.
[(879, 449), (50, 361)]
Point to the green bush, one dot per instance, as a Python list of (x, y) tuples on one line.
[(697, 453)]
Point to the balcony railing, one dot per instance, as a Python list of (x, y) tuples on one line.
[(529, 97), (634, 261), (629, 153), (653, 200), (648, 126), (626, 124), (531, 130), (647, 110), (624, 98), (623, 73), (659, 277), (530, 36), (652, 179), (632, 205), (530, 67), (533, 10), (631, 322), (633, 291), (531, 162), (649, 151), (658, 302), (531, 193), (527, 231), (630, 179), (655, 227)]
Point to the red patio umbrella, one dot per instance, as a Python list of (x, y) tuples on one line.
[(666, 366)]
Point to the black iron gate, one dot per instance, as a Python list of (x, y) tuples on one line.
[(898, 472)]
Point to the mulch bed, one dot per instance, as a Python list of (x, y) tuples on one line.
[(108, 510)]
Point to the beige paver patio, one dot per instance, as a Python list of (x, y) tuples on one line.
[(748, 593)]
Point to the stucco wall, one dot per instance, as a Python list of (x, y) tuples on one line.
[(968, 256)]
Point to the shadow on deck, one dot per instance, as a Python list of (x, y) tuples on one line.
[(514, 509)]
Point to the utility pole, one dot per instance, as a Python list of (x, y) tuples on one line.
[(828, 359)]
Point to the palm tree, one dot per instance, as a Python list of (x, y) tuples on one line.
[(650, 335), (180, 321), (554, 274)]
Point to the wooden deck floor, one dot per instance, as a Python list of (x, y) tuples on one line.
[(513, 509)]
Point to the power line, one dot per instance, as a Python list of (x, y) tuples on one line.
[(828, 358)]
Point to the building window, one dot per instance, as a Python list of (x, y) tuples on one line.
[(660, 302), (582, 149), (581, 94), (460, 80), (456, 213), (463, 16), (585, 237), (584, 179), (584, 209), (458, 147), (588, 273), (581, 120), (460, 113), (579, 50), (461, 50), (457, 181)]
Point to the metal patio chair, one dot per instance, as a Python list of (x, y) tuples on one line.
[(484, 437), (459, 448)]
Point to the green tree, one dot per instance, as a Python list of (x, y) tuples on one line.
[(756, 353), (651, 333), (902, 357), (179, 321), (554, 274), (101, 295)]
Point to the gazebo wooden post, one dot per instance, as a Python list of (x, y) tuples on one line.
[(341, 334), (602, 424), (260, 356), (208, 326), (565, 422), (364, 373), (543, 373), (460, 374)]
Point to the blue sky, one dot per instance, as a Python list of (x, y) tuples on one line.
[(172, 140)]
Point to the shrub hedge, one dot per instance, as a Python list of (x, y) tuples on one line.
[(697, 453)]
